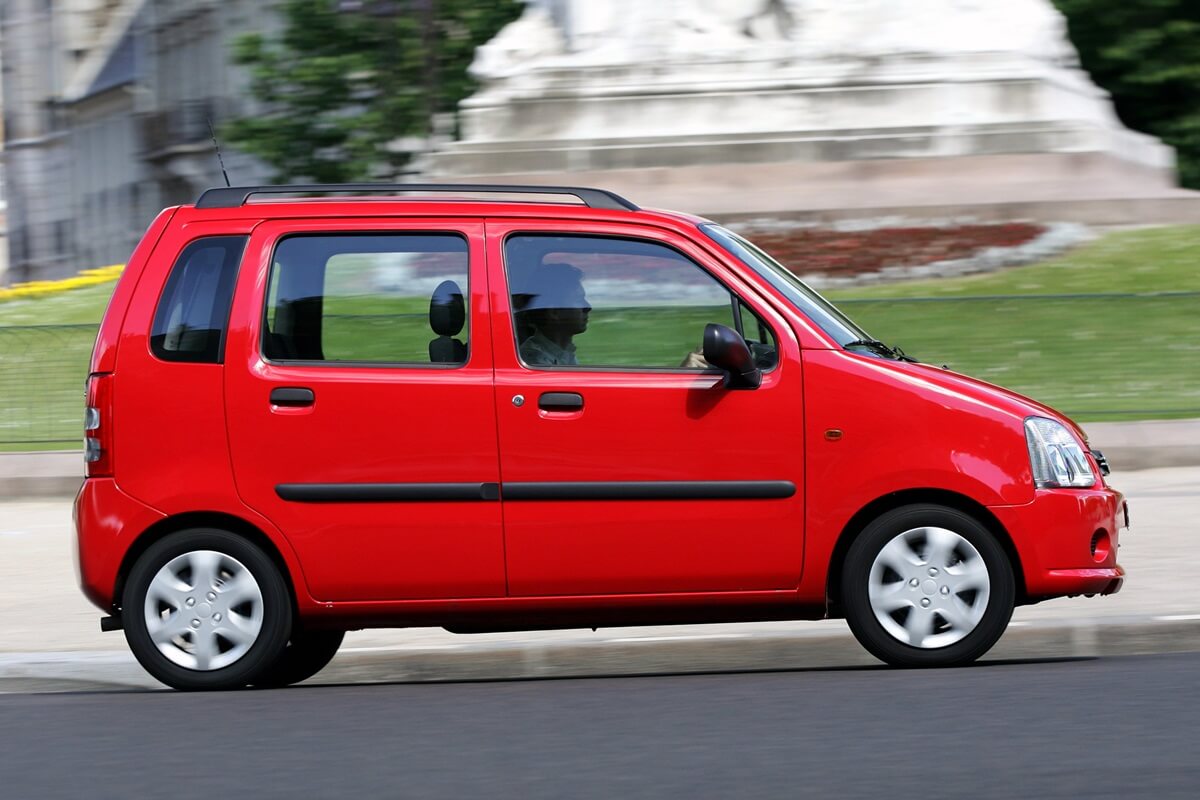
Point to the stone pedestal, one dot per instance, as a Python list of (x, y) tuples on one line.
[(699, 95)]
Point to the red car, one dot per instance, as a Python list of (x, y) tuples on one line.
[(306, 416)]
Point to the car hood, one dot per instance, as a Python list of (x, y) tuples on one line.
[(996, 397)]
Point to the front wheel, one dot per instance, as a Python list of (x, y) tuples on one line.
[(927, 586), (206, 609)]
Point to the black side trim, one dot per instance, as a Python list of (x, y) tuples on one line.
[(386, 492), (599, 490), (650, 490)]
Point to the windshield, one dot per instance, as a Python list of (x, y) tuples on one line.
[(813, 305)]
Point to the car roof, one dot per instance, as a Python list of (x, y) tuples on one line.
[(231, 196), (452, 200)]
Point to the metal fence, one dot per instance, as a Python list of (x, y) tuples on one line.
[(42, 373), (1099, 356)]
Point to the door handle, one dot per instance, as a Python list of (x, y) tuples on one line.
[(293, 396), (560, 401)]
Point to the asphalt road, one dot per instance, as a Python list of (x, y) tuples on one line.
[(1117, 727)]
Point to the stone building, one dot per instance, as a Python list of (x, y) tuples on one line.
[(3, 203), (108, 112), (35, 54)]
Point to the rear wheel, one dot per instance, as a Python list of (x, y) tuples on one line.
[(926, 585), (307, 653), (206, 609)]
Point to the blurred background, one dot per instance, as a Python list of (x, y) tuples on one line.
[(1003, 186)]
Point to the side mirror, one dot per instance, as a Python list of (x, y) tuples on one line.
[(724, 349)]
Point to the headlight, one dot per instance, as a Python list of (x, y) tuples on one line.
[(1056, 455)]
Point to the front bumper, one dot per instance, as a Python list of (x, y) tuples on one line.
[(1067, 541)]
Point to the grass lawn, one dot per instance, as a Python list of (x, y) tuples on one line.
[(77, 306), (1094, 357), (45, 343)]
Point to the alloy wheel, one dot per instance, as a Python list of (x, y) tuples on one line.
[(929, 587), (203, 610)]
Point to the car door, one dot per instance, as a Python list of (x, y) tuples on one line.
[(624, 471), (361, 422)]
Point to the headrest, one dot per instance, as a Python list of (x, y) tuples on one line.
[(447, 311), (555, 286)]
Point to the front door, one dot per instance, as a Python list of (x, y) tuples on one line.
[(360, 405), (627, 467)]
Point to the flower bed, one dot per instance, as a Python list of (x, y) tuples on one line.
[(845, 253), (88, 277)]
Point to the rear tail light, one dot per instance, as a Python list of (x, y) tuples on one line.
[(98, 427)]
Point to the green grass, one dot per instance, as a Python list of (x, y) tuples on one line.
[(1109, 357), (77, 306), (1093, 358), (375, 329), (42, 370)]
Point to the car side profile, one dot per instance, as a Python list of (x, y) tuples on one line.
[(495, 408)]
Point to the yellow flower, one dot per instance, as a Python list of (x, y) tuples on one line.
[(87, 277)]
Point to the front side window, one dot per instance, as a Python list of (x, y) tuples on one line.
[(591, 301), (827, 316), (193, 312), (368, 298)]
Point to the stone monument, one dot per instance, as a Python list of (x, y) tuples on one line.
[(701, 100)]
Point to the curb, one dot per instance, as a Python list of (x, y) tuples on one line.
[(40, 474), (113, 670), (1147, 444)]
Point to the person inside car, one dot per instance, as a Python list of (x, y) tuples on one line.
[(556, 310)]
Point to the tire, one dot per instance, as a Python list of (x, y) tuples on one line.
[(927, 586), (204, 609), (306, 654)]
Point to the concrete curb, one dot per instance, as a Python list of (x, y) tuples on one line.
[(1090, 638), (53, 473), (1145, 444)]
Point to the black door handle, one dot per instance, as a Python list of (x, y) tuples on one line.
[(560, 401), (292, 396)]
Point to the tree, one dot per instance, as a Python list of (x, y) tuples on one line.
[(1147, 55), (349, 79)]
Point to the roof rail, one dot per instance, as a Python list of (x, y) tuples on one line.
[(233, 197)]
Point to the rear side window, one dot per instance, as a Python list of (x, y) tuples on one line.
[(193, 312), (379, 298)]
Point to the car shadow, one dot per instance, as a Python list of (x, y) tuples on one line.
[(318, 684)]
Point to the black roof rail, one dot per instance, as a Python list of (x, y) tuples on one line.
[(235, 196)]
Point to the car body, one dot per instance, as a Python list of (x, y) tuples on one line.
[(259, 376)]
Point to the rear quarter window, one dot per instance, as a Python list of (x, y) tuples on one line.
[(193, 311)]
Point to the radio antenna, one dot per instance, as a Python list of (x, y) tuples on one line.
[(217, 147)]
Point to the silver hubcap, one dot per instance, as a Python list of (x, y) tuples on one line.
[(929, 587), (204, 610)]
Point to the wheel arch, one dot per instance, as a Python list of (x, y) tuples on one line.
[(203, 519), (894, 500)]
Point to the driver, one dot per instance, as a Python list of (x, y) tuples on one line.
[(557, 311)]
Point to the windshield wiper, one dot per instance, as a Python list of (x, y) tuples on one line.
[(882, 349)]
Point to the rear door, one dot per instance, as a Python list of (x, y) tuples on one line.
[(365, 435), (627, 467)]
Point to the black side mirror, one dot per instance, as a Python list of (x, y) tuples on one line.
[(724, 349)]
